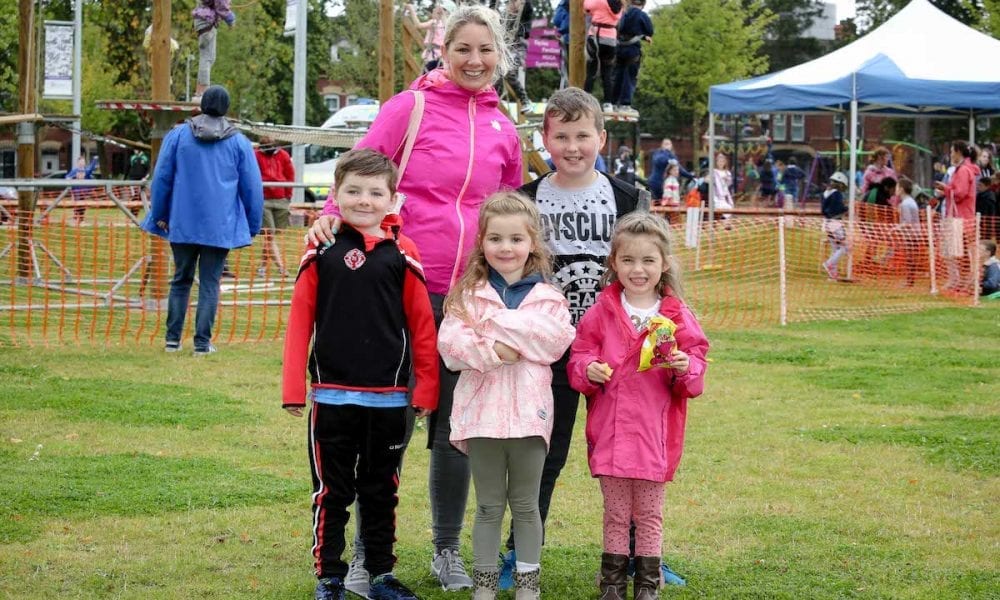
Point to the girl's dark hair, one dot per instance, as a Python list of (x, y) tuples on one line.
[(965, 149)]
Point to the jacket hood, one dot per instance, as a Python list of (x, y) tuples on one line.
[(438, 82), (211, 129)]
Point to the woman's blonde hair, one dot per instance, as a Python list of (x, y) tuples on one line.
[(658, 230), (500, 204), (477, 14)]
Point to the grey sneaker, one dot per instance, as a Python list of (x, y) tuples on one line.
[(172, 347), (205, 351), (449, 569), (357, 577)]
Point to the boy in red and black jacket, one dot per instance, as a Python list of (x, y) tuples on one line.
[(363, 304)]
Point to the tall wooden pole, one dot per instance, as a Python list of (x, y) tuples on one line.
[(386, 49), (156, 284), (577, 39), (27, 104)]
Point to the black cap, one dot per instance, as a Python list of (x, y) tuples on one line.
[(215, 101)]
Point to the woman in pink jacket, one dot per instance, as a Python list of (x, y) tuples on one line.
[(503, 328), (639, 355), (465, 150), (960, 202)]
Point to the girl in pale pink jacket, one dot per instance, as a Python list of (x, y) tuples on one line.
[(503, 327), (639, 355)]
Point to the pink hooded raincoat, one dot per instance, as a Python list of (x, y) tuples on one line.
[(635, 422), (494, 399)]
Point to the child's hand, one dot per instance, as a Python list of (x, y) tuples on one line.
[(679, 361), (506, 353), (295, 411), (422, 412), (599, 372)]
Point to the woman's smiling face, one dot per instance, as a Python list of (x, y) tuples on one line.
[(471, 58)]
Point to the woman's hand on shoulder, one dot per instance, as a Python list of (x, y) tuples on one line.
[(323, 231)]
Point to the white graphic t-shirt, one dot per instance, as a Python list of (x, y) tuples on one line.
[(577, 228)]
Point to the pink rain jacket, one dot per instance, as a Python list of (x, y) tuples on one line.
[(635, 422), (465, 150), (494, 399)]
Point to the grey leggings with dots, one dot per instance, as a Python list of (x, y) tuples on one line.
[(506, 472)]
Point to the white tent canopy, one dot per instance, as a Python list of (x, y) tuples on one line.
[(921, 61)]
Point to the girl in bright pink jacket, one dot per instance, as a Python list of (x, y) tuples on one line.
[(639, 355), (504, 326)]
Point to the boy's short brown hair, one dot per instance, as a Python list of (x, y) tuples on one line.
[(906, 184), (572, 104), (366, 163)]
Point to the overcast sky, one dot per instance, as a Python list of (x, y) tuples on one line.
[(845, 8)]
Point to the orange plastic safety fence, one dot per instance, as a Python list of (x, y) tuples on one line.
[(104, 281)]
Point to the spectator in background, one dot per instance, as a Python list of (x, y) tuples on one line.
[(207, 200), (878, 170), (634, 29), (207, 14), (990, 282), (834, 209), (517, 24), (138, 170), (787, 177), (722, 182), (625, 165), (275, 165), (658, 164), (960, 203), (433, 34), (82, 170), (602, 47), (909, 228), (986, 205), (768, 183), (985, 162)]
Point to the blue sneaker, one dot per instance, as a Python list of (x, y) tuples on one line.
[(330, 588), (387, 587), (508, 564), (669, 577)]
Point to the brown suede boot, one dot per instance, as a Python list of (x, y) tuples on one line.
[(614, 576), (647, 578)]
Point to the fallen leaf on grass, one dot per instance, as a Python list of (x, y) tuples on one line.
[(245, 538), (72, 436), (16, 440), (914, 481)]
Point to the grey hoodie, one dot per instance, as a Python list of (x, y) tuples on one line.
[(211, 129)]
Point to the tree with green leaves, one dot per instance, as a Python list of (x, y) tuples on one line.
[(872, 13), (700, 43), (785, 42)]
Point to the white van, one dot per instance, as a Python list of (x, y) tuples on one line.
[(322, 160)]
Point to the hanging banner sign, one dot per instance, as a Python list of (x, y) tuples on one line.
[(58, 61), (543, 48), (291, 17)]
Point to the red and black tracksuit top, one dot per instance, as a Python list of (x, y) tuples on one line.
[(363, 304)]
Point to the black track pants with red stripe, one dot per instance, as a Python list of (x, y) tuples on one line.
[(355, 450)]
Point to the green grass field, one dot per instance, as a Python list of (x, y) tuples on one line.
[(826, 460)]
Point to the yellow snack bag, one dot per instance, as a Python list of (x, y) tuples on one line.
[(659, 331)]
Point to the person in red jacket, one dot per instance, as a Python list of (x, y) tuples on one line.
[(960, 204), (275, 165), (363, 304)]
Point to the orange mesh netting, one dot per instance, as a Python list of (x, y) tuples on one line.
[(104, 281)]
